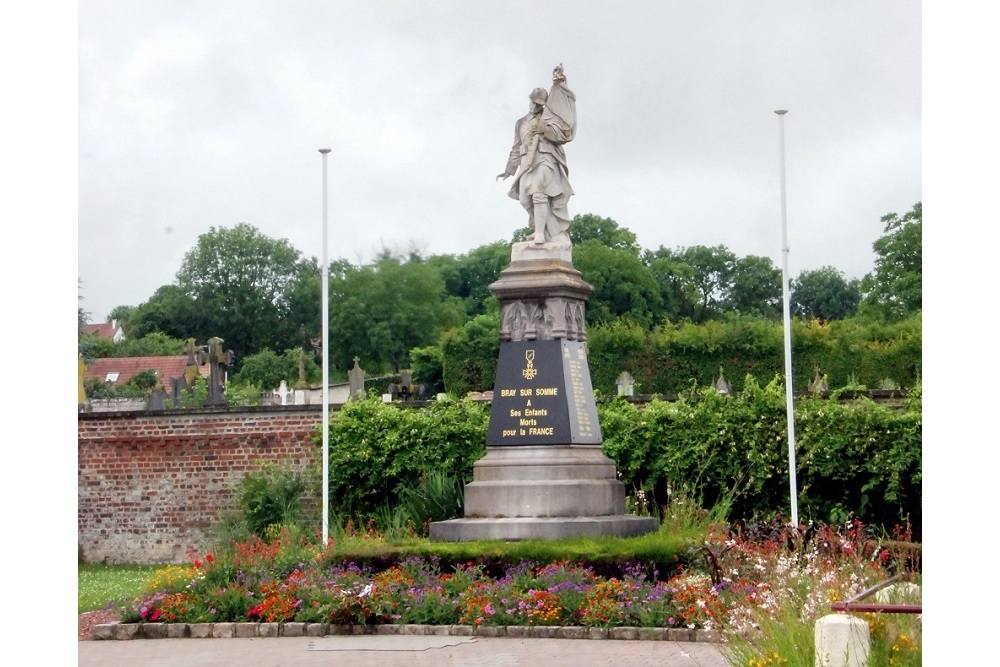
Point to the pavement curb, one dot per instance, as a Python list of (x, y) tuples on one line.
[(123, 631)]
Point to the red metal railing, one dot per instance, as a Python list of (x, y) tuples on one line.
[(855, 606)]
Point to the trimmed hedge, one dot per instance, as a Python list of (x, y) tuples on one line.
[(855, 456)]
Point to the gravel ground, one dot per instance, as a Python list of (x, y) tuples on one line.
[(89, 619)]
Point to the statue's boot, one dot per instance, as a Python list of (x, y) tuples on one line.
[(540, 203)]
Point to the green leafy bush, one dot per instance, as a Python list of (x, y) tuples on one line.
[(854, 456), (378, 450), (271, 496)]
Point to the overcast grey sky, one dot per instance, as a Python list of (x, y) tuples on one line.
[(201, 114)]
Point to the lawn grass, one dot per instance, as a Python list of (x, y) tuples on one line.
[(97, 584)]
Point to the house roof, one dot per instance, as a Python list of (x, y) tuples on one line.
[(126, 367), (103, 330)]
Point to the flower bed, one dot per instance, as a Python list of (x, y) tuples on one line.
[(760, 592), (417, 592)]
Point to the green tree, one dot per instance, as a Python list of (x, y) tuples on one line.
[(754, 288), (825, 295), (380, 312), (172, 312), (266, 369), (427, 364), (623, 285), (121, 314), (895, 289), (469, 355), (590, 227), (238, 278), (712, 270), (679, 293), (469, 276)]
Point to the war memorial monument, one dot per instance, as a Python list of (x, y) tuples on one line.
[(544, 474)]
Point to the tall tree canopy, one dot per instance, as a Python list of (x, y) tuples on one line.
[(380, 312), (825, 295), (712, 270), (895, 289), (590, 227), (238, 277), (623, 285), (469, 276), (754, 288)]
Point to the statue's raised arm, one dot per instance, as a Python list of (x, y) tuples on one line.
[(537, 160)]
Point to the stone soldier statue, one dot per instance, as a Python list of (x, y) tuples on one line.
[(537, 161)]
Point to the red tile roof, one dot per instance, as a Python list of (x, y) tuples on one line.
[(126, 367), (103, 330)]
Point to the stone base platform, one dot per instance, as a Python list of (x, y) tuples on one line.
[(543, 528), (543, 492)]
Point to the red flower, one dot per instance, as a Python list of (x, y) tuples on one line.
[(209, 557)]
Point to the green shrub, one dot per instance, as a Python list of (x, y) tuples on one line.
[(377, 450), (270, 496), (854, 456)]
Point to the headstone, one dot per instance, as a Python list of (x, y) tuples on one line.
[(177, 385), (217, 358), (302, 384), (818, 384), (625, 383), (356, 381), (157, 399), (722, 385), (283, 392)]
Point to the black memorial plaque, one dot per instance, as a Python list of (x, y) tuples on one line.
[(543, 395)]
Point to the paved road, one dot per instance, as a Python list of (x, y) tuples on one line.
[(386, 651)]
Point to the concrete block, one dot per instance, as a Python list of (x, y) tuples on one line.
[(103, 631), (269, 630), (177, 630), (842, 641), (544, 632), (223, 630), (316, 629), (680, 635), (200, 630), (153, 631), (571, 632), (125, 631), (244, 630), (293, 630)]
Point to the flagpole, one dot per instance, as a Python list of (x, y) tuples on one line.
[(326, 363), (789, 396)]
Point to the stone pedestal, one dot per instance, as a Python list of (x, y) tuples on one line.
[(544, 475)]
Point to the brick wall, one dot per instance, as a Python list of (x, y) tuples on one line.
[(150, 485)]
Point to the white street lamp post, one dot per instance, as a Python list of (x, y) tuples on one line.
[(326, 365), (789, 400)]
